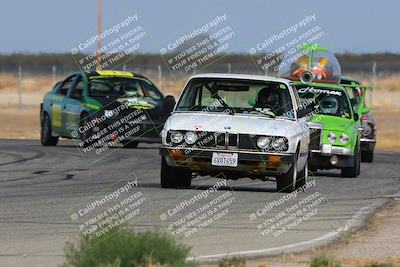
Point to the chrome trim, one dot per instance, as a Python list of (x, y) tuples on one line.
[(342, 151), (336, 150), (228, 151), (319, 126), (368, 140)]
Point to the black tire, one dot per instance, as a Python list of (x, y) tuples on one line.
[(286, 183), (367, 156), (174, 177), (353, 171), (302, 176), (45, 132), (130, 144)]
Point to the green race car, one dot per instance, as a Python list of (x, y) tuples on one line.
[(102, 106), (334, 125), (357, 93), (334, 128)]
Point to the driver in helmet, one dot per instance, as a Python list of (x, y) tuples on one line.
[(132, 89), (329, 105), (267, 100)]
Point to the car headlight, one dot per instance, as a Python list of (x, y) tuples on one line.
[(190, 138), (263, 142), (344, 138), (278, 143), (331, 138), (176, 137)]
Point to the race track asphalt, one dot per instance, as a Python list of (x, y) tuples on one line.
[(45, 191)]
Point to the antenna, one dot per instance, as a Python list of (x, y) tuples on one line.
[(99, 30)]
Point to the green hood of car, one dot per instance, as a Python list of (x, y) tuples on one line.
[(337, 126), (334, 123)]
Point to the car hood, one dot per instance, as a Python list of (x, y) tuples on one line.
[(245, 124), (333, 123)]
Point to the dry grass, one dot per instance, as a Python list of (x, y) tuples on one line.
[(390, 83), (9, 82)]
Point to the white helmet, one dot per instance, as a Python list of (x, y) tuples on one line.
[(329, 105)]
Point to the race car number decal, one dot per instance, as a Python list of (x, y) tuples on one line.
[(56, 115)]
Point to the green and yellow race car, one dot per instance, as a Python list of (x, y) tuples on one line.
[(358, 97), (102, 106)]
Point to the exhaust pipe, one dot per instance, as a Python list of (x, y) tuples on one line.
[(306, 77)]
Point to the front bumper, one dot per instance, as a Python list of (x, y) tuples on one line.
[(331, 157), (249, 163), (367, 144)]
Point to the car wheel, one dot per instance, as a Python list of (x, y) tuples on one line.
[(130, 144), (172, 177), (45, 133), (302, 177), (367, 156), (353, 171), (287, 182)]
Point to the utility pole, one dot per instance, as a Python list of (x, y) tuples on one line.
[(99, 31), (373, 82), (19, 87)]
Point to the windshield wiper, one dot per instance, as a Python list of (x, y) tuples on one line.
[(269, 114)]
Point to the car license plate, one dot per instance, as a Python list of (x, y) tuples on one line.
[(225, 159)]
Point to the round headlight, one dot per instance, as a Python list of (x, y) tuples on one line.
[(344, 138), (331, 138), (176, 137), (278, 143), (263, 142), (190, 138)]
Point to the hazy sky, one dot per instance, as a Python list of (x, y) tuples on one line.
[(56, 26)]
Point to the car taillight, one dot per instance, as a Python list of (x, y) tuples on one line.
[(364, 117)]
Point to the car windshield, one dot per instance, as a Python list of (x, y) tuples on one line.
[(325, 101), (354, 94), (124, 87), (261, 98)]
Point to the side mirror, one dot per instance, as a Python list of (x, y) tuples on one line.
[(356, 117), (303, 112), (168, 105)]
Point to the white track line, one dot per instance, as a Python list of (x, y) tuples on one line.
[(353, 222)]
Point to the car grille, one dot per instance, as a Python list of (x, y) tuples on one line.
[(315, 138), (247, 141), (225, 140)]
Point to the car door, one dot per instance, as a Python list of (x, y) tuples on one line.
[(72, 105), (57, 106)]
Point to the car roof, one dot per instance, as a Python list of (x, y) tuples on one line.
[(322, 85), (240, 76), (349, 79), (112, 73)]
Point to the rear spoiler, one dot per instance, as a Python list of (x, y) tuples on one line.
[(366, 87)]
